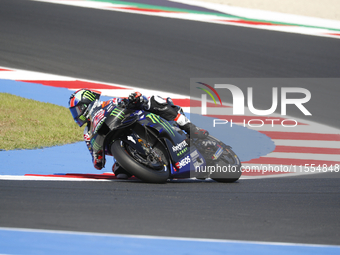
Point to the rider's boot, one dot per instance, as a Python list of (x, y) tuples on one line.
[(194, 131), (191, 129), (120, 172)]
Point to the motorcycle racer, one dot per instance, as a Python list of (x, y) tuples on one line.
[(86, 108)]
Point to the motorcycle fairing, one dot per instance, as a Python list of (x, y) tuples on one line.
[(117, 119)]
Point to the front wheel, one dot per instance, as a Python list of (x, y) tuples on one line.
[(148, 169)]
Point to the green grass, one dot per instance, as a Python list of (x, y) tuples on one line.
[(30, 124)]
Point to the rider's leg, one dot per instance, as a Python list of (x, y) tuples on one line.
[(167, 110), (190, 128)]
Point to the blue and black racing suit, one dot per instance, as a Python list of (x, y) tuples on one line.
[(154, 104)]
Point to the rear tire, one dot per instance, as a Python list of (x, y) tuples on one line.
[(233, 163), (141, 171)]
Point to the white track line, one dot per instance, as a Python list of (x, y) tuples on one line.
[(316, 144), (301, 21), (164, 237)]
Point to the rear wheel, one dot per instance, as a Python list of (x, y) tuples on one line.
[(149, 168), (229, 162)]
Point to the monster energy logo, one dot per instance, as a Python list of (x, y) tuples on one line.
[(89, 96), (95, 145), (156, 119), (82, 117), (181, 152), (118, 113)]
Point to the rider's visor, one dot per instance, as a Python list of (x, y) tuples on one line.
[(77, 114)]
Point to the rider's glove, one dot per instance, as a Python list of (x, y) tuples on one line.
[(98, 160), (123, 103), (136, 98)]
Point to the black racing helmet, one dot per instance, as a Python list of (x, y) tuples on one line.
[(79, 103)]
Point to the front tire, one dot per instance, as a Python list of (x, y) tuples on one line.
[(122, 153)]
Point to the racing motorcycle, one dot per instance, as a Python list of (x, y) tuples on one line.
[(155, 150)]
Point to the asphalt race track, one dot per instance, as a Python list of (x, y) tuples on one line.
[(294, 210), (163, 54)]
